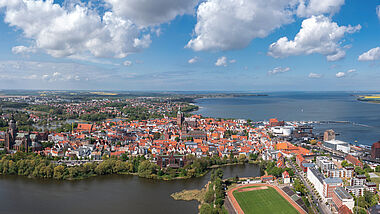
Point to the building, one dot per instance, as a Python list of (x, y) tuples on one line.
[(286, 177), (346, 172), (329, 185), (324, 163), (316, 178), (15, 140), (274, 122), (172, 161), (358, 180), (374, 209), (342, 198), (303, 131), (375, 150), (355, 190), (337, 145), (370, 186), (353, 160), (329, 135)]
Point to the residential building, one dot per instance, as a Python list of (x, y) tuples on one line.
[(341, 197), (329, 184)]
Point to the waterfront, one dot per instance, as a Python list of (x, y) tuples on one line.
[(363, 117), (104, 194)]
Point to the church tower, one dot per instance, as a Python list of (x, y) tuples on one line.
[(180, 117), (10, 136)]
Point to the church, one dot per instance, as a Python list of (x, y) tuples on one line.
[(22, 141)]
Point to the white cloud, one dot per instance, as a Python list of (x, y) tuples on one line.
[(232, 61), (378, 11), (23, 50), (317, 7), (231, 24), (318, 34), (127, 63), (74, 30), (340, 74), (373, 54), (278, 70), (193, 60), (315, 76), (222, 61), (152, 12)]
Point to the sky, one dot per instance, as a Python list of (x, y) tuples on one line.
[(190, 45)]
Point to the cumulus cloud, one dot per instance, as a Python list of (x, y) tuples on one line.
[(307, 8), (222, 61), (23, 50), (127, 63), (278, 70), (373, 54), (232, 61), (340, 74), (378, 11), (318, 34), (230, 24), (76, 29), (152, 12), (193, 60), (315, 76)]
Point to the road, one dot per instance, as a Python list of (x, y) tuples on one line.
[(321, 206)]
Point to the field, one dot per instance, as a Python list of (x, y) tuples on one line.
[(263, 201)]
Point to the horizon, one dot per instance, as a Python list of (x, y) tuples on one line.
[(190, 45)]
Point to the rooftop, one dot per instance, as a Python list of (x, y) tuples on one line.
[(342, 193)]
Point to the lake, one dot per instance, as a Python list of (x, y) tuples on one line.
[(106, 194), (363, 117)]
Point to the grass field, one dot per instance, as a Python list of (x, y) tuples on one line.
[(263, 201)]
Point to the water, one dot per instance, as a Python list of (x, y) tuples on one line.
[(363, 117), (106, 194)]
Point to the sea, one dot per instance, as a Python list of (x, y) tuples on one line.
[(354, 121)]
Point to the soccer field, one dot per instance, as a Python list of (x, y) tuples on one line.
[(263, 201)]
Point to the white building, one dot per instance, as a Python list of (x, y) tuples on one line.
[(282, 130), (338, 145), (316, 178)]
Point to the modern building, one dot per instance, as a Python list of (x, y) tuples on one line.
[(346, 172), (329, 185), (316, 178), (355, 190), (358, 180), (337, 145), (375, 150), (341, 197), (324, 163), (370, 186)]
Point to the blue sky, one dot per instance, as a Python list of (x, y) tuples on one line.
[(229, 45)]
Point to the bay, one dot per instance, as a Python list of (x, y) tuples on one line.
[(363, 118)]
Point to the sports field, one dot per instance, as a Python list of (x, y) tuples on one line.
[(263, 201)]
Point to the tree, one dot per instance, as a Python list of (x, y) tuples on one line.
[(59, 172)]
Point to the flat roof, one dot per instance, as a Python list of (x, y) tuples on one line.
[(331, 180), (317, 174), (342, 193), (336, 142)]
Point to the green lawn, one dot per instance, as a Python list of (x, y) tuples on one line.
[(263, 201)]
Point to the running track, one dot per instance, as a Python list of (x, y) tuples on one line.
[(282, 193)]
